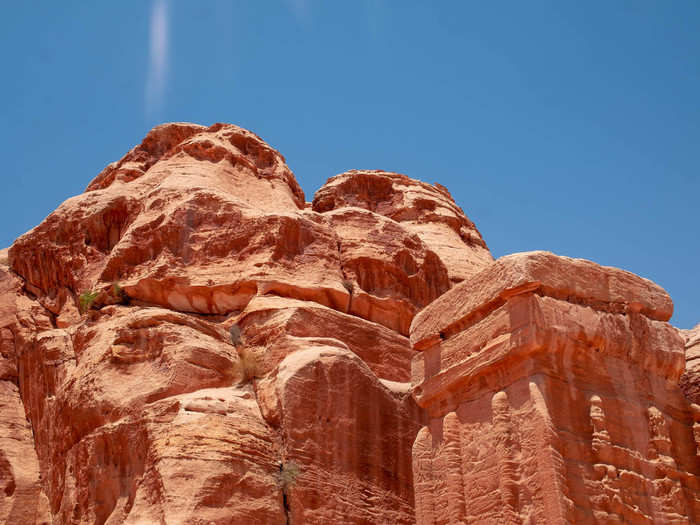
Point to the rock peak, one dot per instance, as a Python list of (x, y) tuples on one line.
[(219, 142), (428, 210)]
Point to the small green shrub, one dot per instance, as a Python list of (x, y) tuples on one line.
[(119, 294), (87, 299), (288, 474)]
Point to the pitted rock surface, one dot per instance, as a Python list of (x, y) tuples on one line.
[(190, 341)]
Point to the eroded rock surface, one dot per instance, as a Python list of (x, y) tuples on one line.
[(424, 209), (141, 407), (552, 393), (690, 381), (190, 342), (349, 435)]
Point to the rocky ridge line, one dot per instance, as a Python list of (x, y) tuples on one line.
[(243, 355), (143, 409)]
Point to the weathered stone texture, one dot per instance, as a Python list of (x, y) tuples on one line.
[(423, 209), (690, 380), (249, 357), (552, 401), (22, 499), (144, 409)]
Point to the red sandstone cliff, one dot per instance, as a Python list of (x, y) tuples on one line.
[(690, 381), (551, 386), (243, 356)]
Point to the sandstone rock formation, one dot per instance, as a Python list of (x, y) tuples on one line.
[(117, 318), (426, 210), (23, 499), (690, 381), (191, 342), (551, 386)]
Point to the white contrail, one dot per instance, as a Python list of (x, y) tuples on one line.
[(158, 65)]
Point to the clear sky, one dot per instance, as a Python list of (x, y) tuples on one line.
[(565, 126)]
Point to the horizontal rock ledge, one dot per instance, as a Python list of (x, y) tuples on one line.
[(576, 281), (531, 335)]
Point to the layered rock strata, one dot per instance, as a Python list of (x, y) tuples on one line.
[(23, 499), (426, 210), (551, 387), (690, 381), (191, 342)]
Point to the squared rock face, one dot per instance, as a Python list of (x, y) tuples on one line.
[(690, 381), (552, 400)]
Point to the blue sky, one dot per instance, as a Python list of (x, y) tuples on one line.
[(566, 126)]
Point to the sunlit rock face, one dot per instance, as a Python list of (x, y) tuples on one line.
[(140, 405), (551, 389), (690, 381), (426, 210), (23, 498), (190, 341)]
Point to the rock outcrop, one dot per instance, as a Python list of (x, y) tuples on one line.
[(551, 386), (426, 210), (22, 499), (190, 341), (690, 381)]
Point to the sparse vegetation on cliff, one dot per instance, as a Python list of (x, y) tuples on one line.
[(236, 337), (118, 294), (349, 286), (247, 367), (87, 299), (118, 291), (288, 474)]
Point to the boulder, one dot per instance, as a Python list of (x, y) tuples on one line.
[(429, 211)]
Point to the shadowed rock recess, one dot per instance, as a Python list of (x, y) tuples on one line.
[(190, 342)]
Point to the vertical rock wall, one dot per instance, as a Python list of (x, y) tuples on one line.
[(22, 498), (690, 380), (551, 386)]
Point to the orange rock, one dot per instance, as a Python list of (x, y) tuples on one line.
[(574, 280), (334, 387), (240, 148), (389, 271), (22, 499), (134, 414), (277, 325), (690, 381), (347, 440), (142, 406), (189, 341), (214, 217), (202, 219), (426, 210), (553, 406)]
